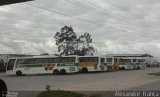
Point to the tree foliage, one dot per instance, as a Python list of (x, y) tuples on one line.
[(69, 44)]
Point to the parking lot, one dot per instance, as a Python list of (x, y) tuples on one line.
[(102, 81)]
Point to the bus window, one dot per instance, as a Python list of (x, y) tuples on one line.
[(64, 59), (72, 59), (134, 60), (90, 59), (10, 64), (126, 60), (83, 59), (29, 61), (93, 59), (38, 60), (141, 60), (20, 61), (48, 60), (109, 59), (56, 60)]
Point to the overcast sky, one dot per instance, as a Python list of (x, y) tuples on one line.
[(118, 26)]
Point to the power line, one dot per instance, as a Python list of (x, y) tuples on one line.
[(127, 12), (52, 11), (77, 3), (64, 14), (113, 15)]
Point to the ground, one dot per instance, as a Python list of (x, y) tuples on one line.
[(102, 81)]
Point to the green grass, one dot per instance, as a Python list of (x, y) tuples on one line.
[(60, 93), (156, 74)]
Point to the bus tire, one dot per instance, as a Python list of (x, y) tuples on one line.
[(84, 70), (63, 71), (123, 68), (19, 73), (56, 71), (138, 67)]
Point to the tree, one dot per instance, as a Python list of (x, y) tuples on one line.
[(87, 40), (44, 54), (66, 40), (69, 44)]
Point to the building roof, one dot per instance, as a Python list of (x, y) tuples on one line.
[(129, 55)]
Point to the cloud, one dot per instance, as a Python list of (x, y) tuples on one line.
[(125, 26)]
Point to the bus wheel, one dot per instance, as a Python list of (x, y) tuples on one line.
[(55, 71), (62, 71), (138, 67), (123, 68), (19, 73), (84, 70)]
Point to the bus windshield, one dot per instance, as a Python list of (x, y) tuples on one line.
[(10, 64)]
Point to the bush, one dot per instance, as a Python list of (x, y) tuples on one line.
[(156, 74), (60, 93)]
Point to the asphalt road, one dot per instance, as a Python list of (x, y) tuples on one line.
[(103, 81)]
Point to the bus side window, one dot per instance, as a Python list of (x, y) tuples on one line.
[(64, 60), (95, 59), (39, 60), (90, 59), (29, 61), (19, 61), (109, 59), (83, 59), (72, 59), (48, 60), (56, 60)]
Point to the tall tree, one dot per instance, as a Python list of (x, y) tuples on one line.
[(86, 39), (69, 44), (66, 40)]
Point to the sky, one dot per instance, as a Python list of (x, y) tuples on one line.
[(116, 26)]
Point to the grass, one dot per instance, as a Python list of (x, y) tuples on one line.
[(156, 74), (60, 93)]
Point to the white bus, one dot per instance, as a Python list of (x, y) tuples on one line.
[(92, 64), (125, 63), (42, 65), (138, 63), (112, 63)]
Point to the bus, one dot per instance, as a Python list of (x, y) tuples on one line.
[(42, 65), (112, 63), (140, 63), (126, 63), (2, 65), (91, 64)]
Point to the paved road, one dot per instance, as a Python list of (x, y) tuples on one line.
[(155, 86), (103, 81)]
